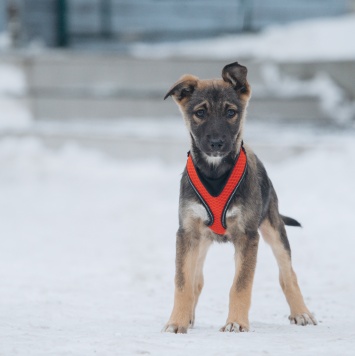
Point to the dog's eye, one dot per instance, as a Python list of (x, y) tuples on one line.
[(231, 113), (200, 113)]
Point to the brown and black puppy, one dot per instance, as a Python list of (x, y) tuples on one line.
[(214, 113)]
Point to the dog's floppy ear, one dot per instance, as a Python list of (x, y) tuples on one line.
[(236, 75), (183, 88)]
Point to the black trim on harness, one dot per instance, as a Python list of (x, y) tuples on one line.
[(224, 224), (209, 212)]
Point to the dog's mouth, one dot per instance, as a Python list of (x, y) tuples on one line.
[(214, 150), (216, 154), (214, 158)]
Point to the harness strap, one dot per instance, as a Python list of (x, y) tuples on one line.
[(217, 207)]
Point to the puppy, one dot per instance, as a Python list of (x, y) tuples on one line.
[(225, 196)]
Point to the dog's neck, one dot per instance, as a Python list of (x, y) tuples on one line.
[(213, 167)]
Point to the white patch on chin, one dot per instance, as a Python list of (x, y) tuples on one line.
[(213, 161)]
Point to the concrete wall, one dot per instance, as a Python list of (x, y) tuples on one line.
[(2, 16), (68, 86)]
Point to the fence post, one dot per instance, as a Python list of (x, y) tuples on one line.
[(62, 24), (247, 15), (106, 18), (14, 23)]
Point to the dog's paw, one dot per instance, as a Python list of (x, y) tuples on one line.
[(234, 327), (303, 319), (175, 329)]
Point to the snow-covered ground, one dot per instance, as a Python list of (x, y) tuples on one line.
[(87, 254), (315, 39), (14, 112)]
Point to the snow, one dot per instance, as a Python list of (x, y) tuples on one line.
[(333, 100), (12, 80), (88, 243), (324, 39), (15, 114), (5, 41)]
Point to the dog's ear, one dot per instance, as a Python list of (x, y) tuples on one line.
[(236, 75), (183, 88)]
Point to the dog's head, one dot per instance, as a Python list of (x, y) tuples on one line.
[(214, 110)]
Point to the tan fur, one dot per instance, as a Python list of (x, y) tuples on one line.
[(187, 294), (201, 105), (184, 300), (288, 279), (204, 245), (240, 292)]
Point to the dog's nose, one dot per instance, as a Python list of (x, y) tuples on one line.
[(216, 144)]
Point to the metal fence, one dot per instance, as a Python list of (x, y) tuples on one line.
[(115, 22)]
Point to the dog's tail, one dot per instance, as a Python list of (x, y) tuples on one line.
[(289, 221)]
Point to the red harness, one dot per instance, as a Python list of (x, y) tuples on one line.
[(217, 206)]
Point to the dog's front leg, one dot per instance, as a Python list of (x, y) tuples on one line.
[(246, 249), (187, 252)]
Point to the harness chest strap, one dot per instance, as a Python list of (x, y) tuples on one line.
[(217, 206)]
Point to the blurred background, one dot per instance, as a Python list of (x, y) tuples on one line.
[(67, 62), (91, 157)]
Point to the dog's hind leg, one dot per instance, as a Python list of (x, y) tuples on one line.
[(204, 245), (275, 235), (246, 249), (187, 253)]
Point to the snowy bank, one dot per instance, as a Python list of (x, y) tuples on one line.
[(15, 113), (316, 39)]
